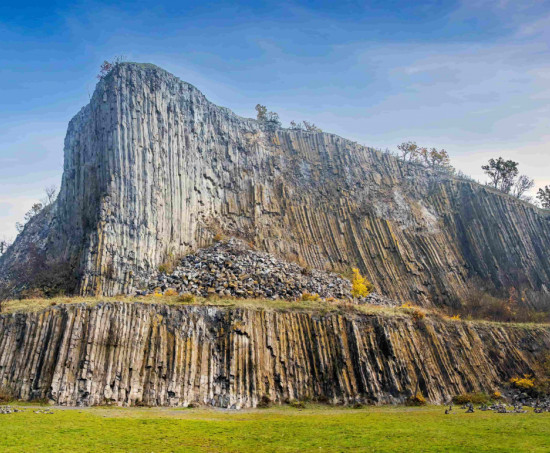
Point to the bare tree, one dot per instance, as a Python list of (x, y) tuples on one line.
[(310, 127), (4, 245), (35, 210), (51, 192), (522, 185), (296, 126)]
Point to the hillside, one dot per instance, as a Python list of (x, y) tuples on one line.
[(154, 170)]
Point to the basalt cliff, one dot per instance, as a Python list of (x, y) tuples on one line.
[(153, 169), (134, 353)]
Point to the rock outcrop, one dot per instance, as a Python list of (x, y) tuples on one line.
[(152, 169), (124, 353)]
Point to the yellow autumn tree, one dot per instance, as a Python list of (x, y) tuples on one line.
[(360, 286)]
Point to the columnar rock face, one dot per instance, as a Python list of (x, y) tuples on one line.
[(153, 169), (158, 355)]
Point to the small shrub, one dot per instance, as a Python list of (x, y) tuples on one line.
[(474, 398), (496, 395), (455, 318), (308, 297), (166, 268), (416, 400), (33, 293), (296, 404), (360, 286), (264, 402), (187, 298), (219, 237), (418, 314), (5, 395), (527, 382), (170, 292), (306, 270)]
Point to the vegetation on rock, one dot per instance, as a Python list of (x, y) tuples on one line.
[(360, 286)]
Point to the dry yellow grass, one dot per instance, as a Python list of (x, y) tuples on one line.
[(311, 306)]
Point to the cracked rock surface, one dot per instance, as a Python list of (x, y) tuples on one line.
[(133, 353)]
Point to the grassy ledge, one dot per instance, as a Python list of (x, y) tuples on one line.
[(317, 307)]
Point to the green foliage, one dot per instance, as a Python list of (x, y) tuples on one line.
[(268, 120), (501, 173), (504, 176), (387, 428), (543, 195)]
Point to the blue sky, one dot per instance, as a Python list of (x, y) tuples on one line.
[(470, 76)]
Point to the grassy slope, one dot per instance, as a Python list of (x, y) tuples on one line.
[(276, 429)]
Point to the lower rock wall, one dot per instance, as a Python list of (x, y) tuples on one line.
[(130, 354)]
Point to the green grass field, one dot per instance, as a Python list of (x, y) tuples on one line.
[(283, 429)]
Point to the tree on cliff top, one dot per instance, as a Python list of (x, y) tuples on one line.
[(503, 175), (543, 195), (107, 66), (409, 151), (436, 159), (268, 120)]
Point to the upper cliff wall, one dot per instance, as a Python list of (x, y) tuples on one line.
[(152, 168)]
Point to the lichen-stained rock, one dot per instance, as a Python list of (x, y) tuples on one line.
[(152, 168), (123, 353)]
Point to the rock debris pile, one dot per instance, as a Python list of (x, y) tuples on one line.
[(232, 268)]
